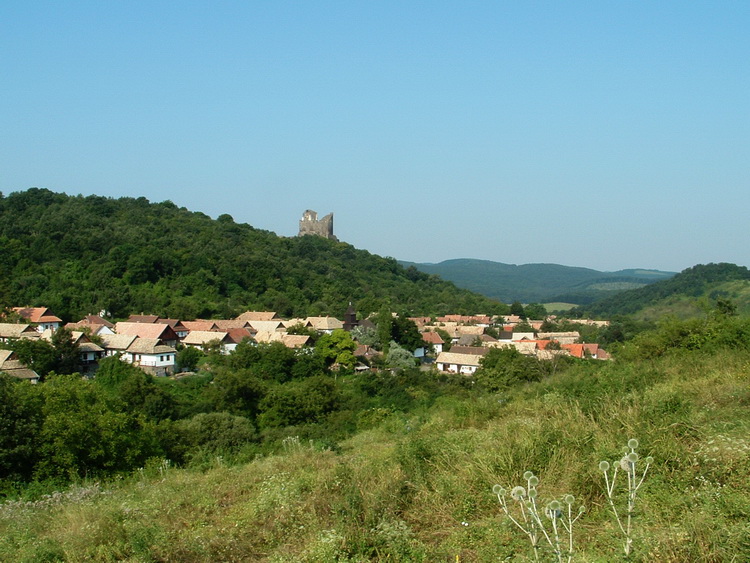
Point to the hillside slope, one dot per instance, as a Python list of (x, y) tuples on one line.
[(79, 255), (416, 486), (685, 295), (538, 282)]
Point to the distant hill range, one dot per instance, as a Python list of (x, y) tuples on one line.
[(692, 292), (539, 283)]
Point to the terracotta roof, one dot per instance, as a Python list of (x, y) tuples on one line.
[(258, 316), (147, 330), (432, 338), (201, 337), (237, 335), (227, 324), (199, 325), (365, 351), (97, 320), (465, 319), (37, 314), (143, 318), (176, 324), (576, 350)]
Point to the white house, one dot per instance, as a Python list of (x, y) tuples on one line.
[(452, 362)]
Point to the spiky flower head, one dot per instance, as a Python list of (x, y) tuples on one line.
[(528, 475), (625, 464), (632, 443), (555, 505), (517, 493), (632, 457), (649, 460), (569, 499), (498, 490), (581, 509), (533, 481), (603, 466), (532, 493)]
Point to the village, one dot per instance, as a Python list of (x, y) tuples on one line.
[(451, 343)]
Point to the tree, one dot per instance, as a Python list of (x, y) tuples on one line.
[(67, 354), (501, 368), (384, 323), (365, 335), (406, 334), (187, 359), (337, 348), (399, 358), (535, 311), (39, 355), (299, 402), (237, 392), (517, 309)]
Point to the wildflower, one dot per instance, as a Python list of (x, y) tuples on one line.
[(518, 492), (632, 443), (498, 490), (603, 466)]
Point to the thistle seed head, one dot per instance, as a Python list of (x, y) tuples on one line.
[(517, 493), (632, 443), (603, 466)]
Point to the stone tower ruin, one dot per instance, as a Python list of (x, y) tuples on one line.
[(311, 225)]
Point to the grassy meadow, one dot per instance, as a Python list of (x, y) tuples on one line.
[(417, 486)]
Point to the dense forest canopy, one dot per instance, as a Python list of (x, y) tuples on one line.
[(78, 255)]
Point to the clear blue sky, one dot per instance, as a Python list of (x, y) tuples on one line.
[(601, 134)]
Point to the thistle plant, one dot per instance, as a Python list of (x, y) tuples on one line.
[(628, 464), (551, 523)]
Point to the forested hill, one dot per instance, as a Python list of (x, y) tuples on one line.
[(538, 282), (680, 295), (78, 255)]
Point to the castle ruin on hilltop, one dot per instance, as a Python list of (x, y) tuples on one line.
[(311, 225)]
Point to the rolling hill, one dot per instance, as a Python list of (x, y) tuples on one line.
[(538, 282), (78, 255), (688, 294)]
